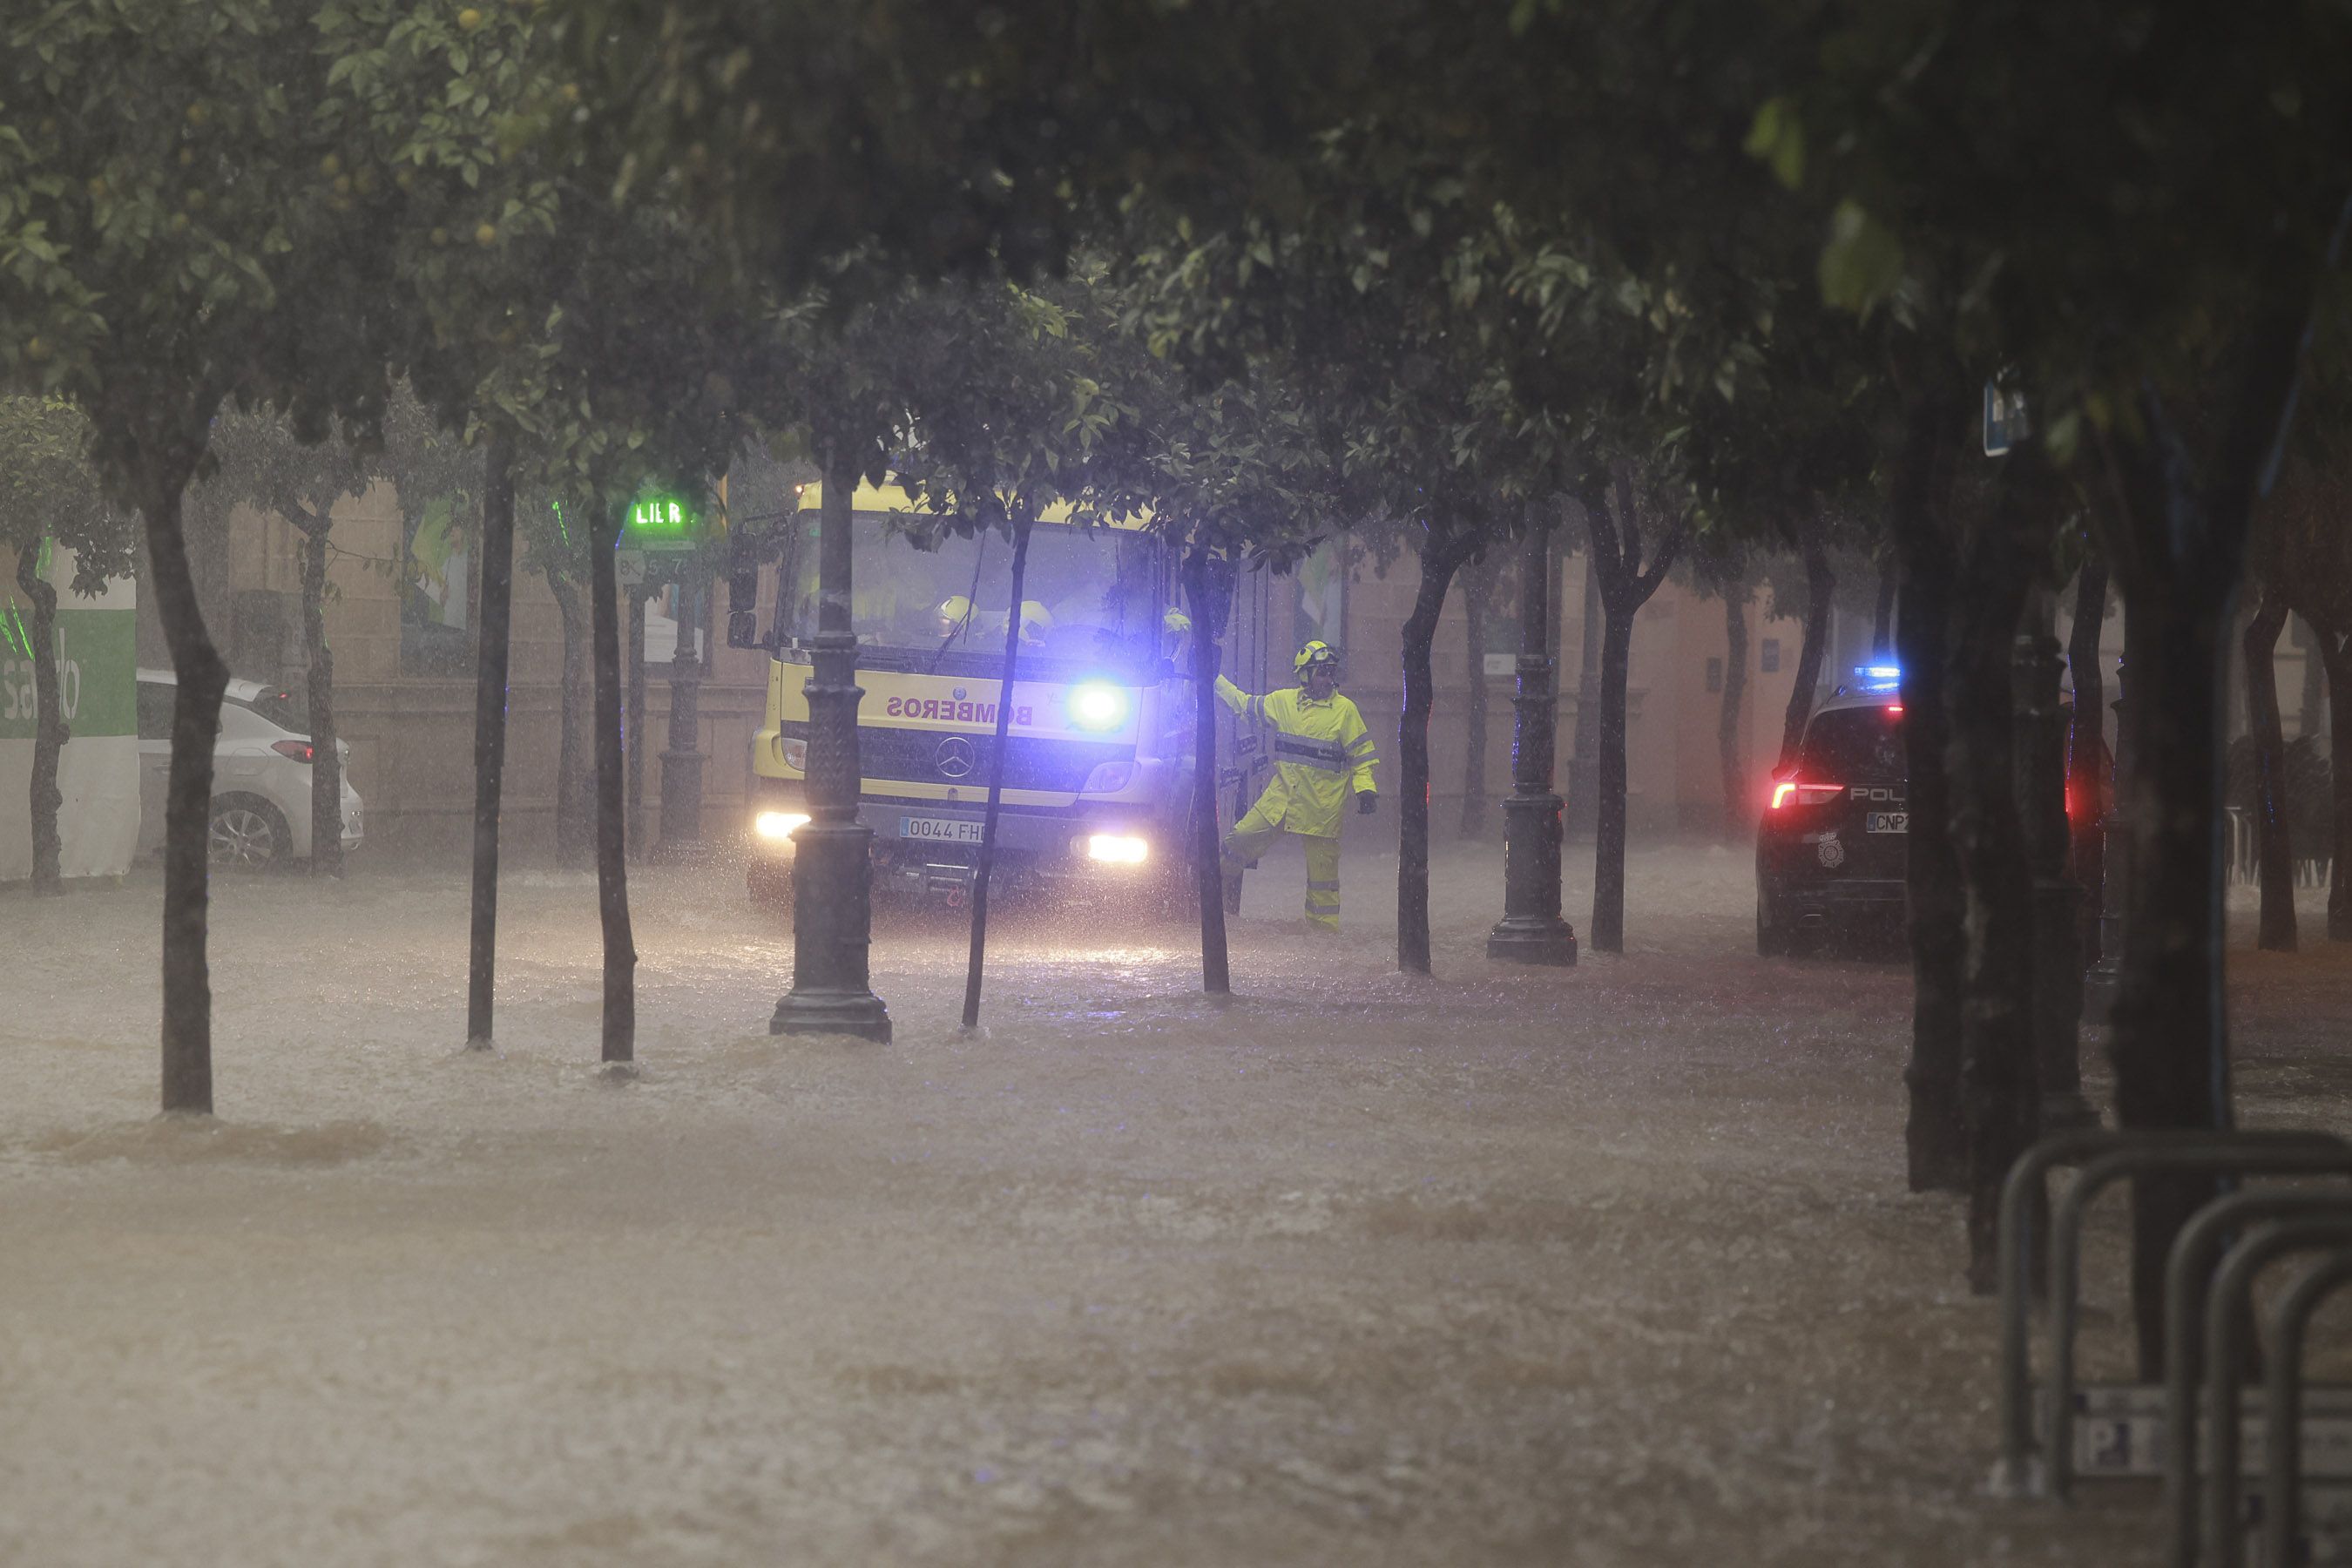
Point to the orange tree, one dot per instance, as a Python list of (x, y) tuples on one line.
[(177, 235), (2131, 215)]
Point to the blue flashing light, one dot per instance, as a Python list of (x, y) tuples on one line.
[(1876, 677), (1097, 705)]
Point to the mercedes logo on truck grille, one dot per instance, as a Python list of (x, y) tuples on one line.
[(955, 757)]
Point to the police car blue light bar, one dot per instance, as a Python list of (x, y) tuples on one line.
[(1878, 677)]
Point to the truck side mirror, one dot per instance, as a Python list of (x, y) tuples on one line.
[(742, 590)]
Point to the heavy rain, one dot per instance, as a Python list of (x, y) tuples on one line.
[(1101, 782)]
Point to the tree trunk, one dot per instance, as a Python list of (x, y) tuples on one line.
[(1208, 616), (1479, 583), (1739, 811), (1584, 755), (326, 756), (2088, 768), (575, 788), (490, 731), (2336, 657), (1820, 589), (49, 734), (1882, 620), (1997, 1081), (1933, 1141), (620, 1032), (1626, 586), (1438, 564), (2276, 854), (2168, 1042), (2178, 538), (1607, 932), (202, 677), (996, 778), (2311, 705)]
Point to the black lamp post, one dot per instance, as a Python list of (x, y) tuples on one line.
[(833, 874), (1532, 929), (682, 759), (2105, 977)]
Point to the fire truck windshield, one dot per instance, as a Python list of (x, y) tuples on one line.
[(1091, 596)]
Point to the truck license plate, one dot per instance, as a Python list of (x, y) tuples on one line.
[(941, 829), (1888, 822)]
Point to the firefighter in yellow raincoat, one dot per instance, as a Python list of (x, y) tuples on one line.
[(1321, 750)]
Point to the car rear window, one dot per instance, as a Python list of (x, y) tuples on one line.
[(287, 709), (1853, 744)]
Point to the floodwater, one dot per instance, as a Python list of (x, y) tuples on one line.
[(1606, 1266)]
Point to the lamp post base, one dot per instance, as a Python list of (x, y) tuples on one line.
[(2064, 1110), (812, 1011), (1532, 929), (1533, 938), (2099, 989), (831, 991), (681, 808)]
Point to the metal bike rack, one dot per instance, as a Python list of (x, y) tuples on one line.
[(2283, 1406), (2112, 1155), (2229, 1303), (2187, 1273), (2066, 1244)]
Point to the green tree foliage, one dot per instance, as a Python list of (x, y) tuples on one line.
[(2129, 213), (168, 163)]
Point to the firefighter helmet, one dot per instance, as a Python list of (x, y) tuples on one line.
[(1316, 654)]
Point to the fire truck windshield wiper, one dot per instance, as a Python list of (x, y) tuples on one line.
[(971, 608)]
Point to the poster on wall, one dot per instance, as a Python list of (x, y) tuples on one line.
[(437, 594), (98, 772)]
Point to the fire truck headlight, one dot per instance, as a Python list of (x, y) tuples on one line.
[(1118, 848), (1097, 705), (795, 752), (777, 826)]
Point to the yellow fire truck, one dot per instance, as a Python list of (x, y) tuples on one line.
[(1099, 768)]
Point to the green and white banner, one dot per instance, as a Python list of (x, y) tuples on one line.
[(98, 685)]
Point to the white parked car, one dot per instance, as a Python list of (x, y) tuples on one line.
[(261, 775)]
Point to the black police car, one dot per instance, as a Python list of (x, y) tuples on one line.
[(1832, 842)]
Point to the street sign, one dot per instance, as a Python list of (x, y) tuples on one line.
[(2326, 1525), (2119, 1431), (660, 522), (2005, 421), (629, 566)]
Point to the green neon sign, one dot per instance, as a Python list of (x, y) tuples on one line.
[(662, 522), (661, 517)]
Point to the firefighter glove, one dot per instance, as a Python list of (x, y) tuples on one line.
[(1367, 803)]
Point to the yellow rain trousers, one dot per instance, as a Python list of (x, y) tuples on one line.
[(1322, 753)]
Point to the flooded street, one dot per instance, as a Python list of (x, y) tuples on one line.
[(1605, 1266)]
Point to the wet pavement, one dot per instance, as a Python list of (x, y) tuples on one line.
[(1606, 1266)]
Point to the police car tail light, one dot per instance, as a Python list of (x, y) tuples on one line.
[(1790, 792), (1118, 848)]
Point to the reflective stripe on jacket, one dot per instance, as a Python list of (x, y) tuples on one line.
[(1321, 752)]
